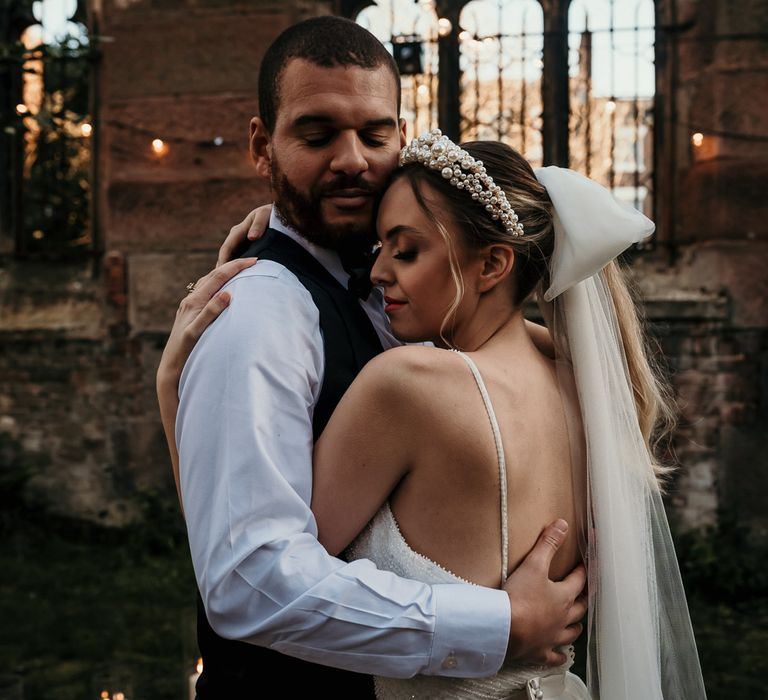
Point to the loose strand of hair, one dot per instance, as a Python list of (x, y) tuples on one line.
[(652, 395)]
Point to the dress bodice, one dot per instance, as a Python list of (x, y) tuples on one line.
[(384, 544)]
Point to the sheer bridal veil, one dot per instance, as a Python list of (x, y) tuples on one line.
[(640, 640)]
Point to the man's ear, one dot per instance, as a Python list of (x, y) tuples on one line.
[(497, 263), (402, 132), (261, 147)]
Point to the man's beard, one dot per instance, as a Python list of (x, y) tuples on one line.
[(303, 212)]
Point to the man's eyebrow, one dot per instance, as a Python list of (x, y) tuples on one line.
[(384, 121), (305, 119), (309, 119)]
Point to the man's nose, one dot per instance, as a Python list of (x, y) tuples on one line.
[(349, 157)]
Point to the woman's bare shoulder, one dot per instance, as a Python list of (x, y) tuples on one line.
[(411, 371), (414, 361)]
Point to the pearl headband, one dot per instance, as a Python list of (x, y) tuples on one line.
[(435, 151)]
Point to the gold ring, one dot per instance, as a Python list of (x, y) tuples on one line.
[(190, 288)]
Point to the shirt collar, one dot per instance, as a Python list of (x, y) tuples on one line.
[(329, 259)]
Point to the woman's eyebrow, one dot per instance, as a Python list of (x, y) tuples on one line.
[(401, 228)]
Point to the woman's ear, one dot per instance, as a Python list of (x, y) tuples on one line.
[(497, 263), (261, 147)]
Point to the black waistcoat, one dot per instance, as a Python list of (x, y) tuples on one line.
[(234, 669)]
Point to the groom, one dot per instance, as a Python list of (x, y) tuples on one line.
[(263, 380)]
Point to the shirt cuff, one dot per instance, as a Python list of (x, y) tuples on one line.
[(471, 631)]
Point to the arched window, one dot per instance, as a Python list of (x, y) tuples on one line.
[(47, 132), (410, 31), (612, 86), (566, 82), (501, 61)]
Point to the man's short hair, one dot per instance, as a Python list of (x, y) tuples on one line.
[(325, 41)]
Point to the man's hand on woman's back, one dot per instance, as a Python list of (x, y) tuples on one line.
[(546, 614)]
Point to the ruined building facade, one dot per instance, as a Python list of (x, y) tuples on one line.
[(80, 339)]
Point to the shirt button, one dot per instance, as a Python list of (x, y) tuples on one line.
[(450, 661)]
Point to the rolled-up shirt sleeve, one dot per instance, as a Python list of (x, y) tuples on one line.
[(244, 431)]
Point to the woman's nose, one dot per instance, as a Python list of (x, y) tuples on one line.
[(380, 275)]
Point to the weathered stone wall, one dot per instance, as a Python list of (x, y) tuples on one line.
[(74, 417), (77, 415), (717, 253), (719, 372), (79, 343)]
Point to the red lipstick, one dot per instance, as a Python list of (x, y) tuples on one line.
[(391, 304)]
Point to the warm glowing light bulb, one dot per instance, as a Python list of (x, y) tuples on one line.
[(105, 694), (444, 26), (697, 139), (119, 696), (159, 147), (423, 90), (21, 108), (86, 129), (199, 665), (610, 106), (465, 35)]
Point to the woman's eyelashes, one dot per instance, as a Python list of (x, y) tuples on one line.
[(406, 255)]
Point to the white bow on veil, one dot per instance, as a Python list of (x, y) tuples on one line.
[(640, 640)]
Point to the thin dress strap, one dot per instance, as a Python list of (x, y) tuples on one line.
[(500, 457)]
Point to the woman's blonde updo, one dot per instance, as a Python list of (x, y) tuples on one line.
[(525, 193), (533, 251)]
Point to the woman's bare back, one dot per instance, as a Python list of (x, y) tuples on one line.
[(448, 506)]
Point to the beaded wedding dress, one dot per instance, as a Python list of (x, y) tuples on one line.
[(383, 543)]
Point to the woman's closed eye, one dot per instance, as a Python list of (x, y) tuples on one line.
[(406, 255)]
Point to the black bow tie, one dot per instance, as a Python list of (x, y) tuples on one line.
[(358, 266)]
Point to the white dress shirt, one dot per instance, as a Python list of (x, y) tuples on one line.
[(244, 432)]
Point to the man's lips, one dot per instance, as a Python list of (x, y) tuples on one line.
[(352, 198), (391, 304)]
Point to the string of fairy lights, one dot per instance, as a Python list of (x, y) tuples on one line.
[(160, 145)]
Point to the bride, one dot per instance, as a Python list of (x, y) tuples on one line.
[(444, 466)]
